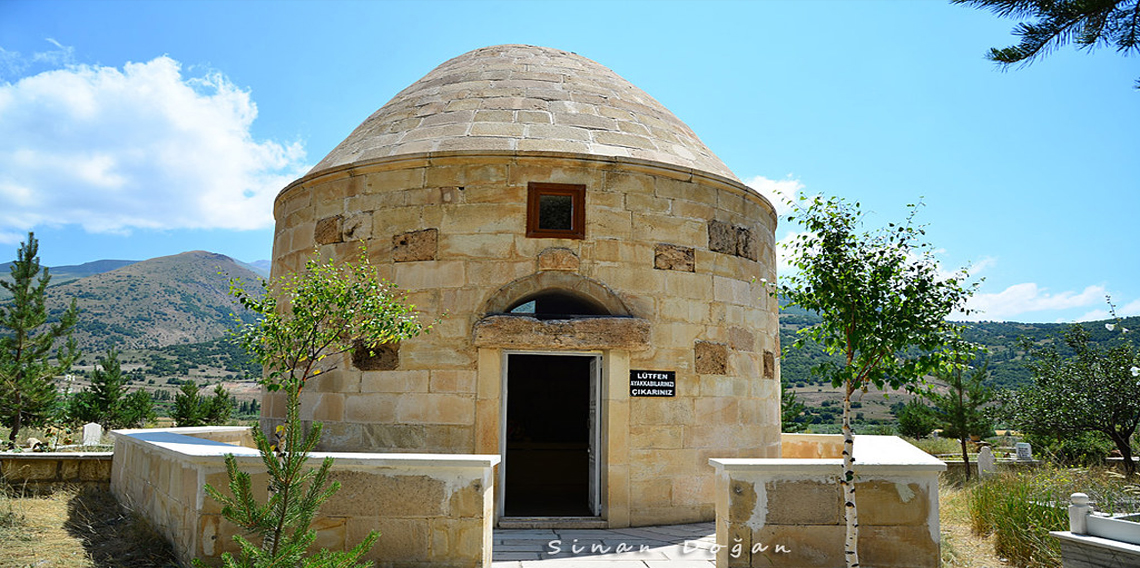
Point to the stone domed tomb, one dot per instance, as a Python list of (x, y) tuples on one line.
[(597, 274)]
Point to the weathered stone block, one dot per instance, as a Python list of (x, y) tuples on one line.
[(740, 339), (356, 228), (468, 501), (594, 333), (800, 546), (331, 532), (69, 470), (804, 502), (415, 246), (383, 357), (558, 259), (745, 243), (888, 503), (386, 436), (769, 365), (722, 237), (29, 470), (673, 257), (95, 470), (365, 494), (329, 230), (403, 541), (710, 358)]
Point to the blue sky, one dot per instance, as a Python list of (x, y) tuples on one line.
[(131, 130)]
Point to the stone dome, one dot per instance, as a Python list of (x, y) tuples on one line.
[(524, 99)]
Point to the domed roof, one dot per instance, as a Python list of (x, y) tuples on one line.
[(523, 98)]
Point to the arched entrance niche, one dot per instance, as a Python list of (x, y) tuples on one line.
[(553, 348), (556, 284)]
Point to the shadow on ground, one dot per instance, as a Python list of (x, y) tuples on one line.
[(114, 536)]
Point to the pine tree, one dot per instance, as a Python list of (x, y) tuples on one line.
[(219, 407), (1087, 23), (27, 367), (916, 420), (960, 409), (188, 408)]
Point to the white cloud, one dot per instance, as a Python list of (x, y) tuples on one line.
[(778, 192), (784, 254), (1024, 298), (1130, 309), (1094, 315), (140, 147)]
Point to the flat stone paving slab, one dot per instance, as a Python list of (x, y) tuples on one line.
[(671, 546)]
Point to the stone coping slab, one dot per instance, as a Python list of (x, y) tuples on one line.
[(57, 455), (178, 441), (873, 454), (1114, 545)]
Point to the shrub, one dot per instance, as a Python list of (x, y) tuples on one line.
[(1020, 509), (1083, 449)]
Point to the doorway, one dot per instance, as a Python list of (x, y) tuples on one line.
[(551, 436)]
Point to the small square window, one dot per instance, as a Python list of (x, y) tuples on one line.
[(556, 210)]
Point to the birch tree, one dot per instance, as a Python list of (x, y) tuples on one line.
[(883, 306)]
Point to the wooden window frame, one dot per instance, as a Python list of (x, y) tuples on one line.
[(577, 193)]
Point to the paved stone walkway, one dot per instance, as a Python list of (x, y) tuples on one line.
[(673, 546)]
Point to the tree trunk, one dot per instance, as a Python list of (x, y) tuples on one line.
[(16, 420), (850, 514), (1125, 448), (965, 456)]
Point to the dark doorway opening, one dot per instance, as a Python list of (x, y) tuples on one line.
[(548, 436)]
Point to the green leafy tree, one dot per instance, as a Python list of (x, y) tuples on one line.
[(960, 410), (883, 308), (1087, 23), (308, 320), (916, 420), (1097, 389), (792, 411), (27, 366)]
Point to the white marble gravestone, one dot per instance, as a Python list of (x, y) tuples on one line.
[(986, 464), (92, 434)]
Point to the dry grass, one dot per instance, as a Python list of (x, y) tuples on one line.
[(961, 548), (76, 528)]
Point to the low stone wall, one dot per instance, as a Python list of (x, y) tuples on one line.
[(789, 511), (431, 510), (38, 472)]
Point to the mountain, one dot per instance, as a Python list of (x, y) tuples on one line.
[(261, 267), (64, 274), (167, 300)]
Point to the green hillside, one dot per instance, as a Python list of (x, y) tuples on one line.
[(1001, 339), (169, 300)]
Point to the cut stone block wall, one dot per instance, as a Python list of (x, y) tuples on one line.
[(652, 254), (38, 472), (789, 511), (431, 510)]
